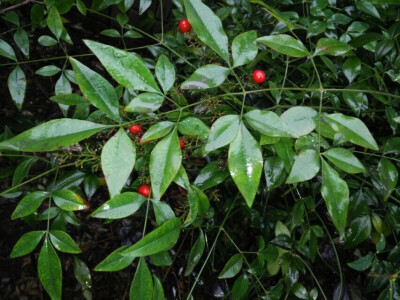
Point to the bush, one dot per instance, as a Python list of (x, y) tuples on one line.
[(250, 153)]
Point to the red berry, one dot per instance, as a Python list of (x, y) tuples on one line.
[(258, 76), (144, 190), (184, 25), (181, 143), (135, 129)]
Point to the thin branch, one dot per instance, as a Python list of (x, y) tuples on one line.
[(12, 7)]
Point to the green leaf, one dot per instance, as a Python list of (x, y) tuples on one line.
[(51, 135), (117, 160), (305, 167), (165, 73), (17, 86), (389, 176), (335, 192), (244, 48), (300, 291), (68, 200), (114, 261), (160, 239), (48, 71), (157, 131), (80, 5), (211, 175), (198, 206), (165, 160), (193, 126), (22, 40), (27, 243), (208, 27), (46, 41), (161, 259), (63, 242), (329, 46), (126, 68), (163, 212), (54, 22), (232, 267), (49, 269), (240, 287), (6, 50), (142, 284), (69, 99), (353, 129), (345, 160), (145, 103), (132, 34), (368, 8), (96, 89), (29, 204), (182, 178), (382, 48), (158, 291), (195, 253), (274, 170), (358, 102), (268, 123), (245, 164), (284, 149), (110, 33), (352, 68), (144, 5), (284, 44), (120, 206), (82, 275), (223, 132), (300, 119), (22, 170), (206, 77), (359, 231), (361, 264), (315, 28)]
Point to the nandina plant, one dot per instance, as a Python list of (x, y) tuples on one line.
[(241, 150)]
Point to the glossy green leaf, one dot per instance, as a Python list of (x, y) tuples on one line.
[(223, 132), (163, 212), (359, 230), (330, 46), (49, 269), (268, 123), (352, 68), (165, 73), (17, 86), (274, 170), (193, 126), (158, 291), (206, 77), (63, 242), (352, 129), (22, 170), (120, 206), (335, 192), (211, 175), (69, 99), (182, 178), (358, 102), (6, 50), (195, 253), (29, 204), (345, 160), (284, 149), (48, 71), (126, 68), (244, 48), (144, 5), (161, 259), (285, 44), (208, 27), (368, 8), (22, 40), (82, 274), (389, 176), (51, 135), (165, 160), (160, 239), (382, 48), (232, 267), (54, 22), (114, 261), (240, 287), (27, 243), (117, 160), (158, 130), (245, 164), (315, 28), (361, 264), (142, 284), (300, 291), (110, 33), (300, 119), (305, 167), (68, 200), (198, 206), (46, 41), (145, 103), (96, 89)]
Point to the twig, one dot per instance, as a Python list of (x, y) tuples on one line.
[(3, 11)]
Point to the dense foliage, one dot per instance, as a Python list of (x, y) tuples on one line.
[(228, 149)]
